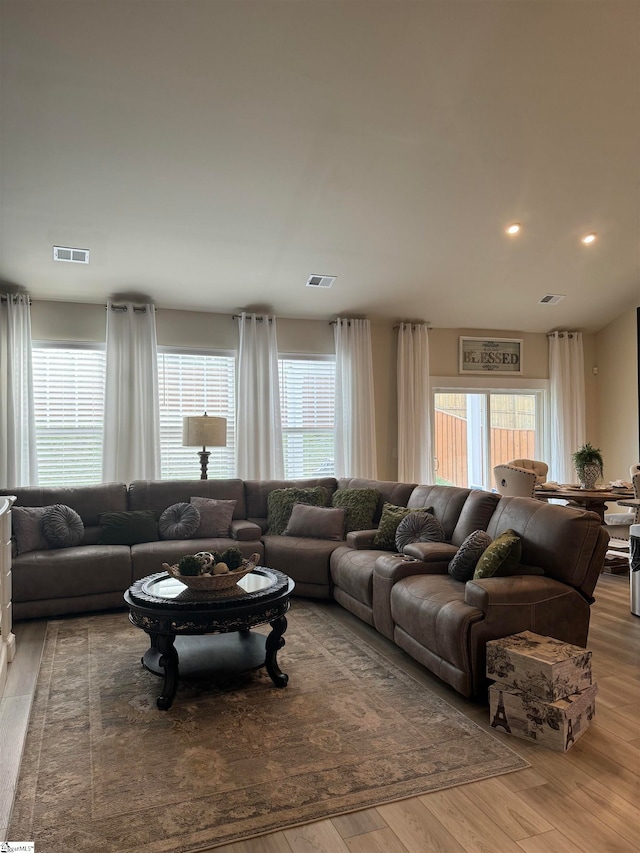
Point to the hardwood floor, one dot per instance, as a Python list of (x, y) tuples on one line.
[(584, 801)]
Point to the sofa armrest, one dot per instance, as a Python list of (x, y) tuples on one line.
[(361, 540), (245, 531), (523, 603), (516, 591), (388, 569)]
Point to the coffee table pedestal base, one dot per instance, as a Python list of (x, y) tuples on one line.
[(219, 657)]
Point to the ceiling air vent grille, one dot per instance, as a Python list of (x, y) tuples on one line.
[(551, 298), (71, 256), (320, 280)]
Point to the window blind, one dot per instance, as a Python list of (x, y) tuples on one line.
[(68, 389), (191, 384), (307, 400)]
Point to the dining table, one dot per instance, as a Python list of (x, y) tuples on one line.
[(594, 500)]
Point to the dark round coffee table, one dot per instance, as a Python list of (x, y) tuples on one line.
[(195, 633)]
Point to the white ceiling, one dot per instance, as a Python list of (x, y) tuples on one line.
[(212, 154)]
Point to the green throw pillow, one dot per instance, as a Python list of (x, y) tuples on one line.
[(360, 505), (501, 557), (280, 503), (128, 528), (385, 537)]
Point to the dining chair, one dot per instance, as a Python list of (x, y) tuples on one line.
[(513, 481), (541, 469), (618, 523)]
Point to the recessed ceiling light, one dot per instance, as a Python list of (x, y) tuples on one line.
[(588, 239), (513, 229)]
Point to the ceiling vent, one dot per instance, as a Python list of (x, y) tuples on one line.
[(551, 298), (320, 280), (71, 256)]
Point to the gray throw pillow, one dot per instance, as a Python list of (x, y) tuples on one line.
[(26, 522), (360, 504), (316, 522), (419, 527), (62, 526), (463, 565), (179, 521), (280, 503), (215, 517)]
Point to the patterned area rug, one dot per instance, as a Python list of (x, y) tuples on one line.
[(104, 770)]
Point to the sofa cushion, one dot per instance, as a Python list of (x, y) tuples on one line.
[(463, 565), (360, 505), (419, 527), (280, 502), (316, 522), (62, 526), (27, 527), (215, 517), (128, 528), (501, 557), (352, 572), (179, 521), (385, 537)]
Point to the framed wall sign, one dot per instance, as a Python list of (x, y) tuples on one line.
[(490, 355)]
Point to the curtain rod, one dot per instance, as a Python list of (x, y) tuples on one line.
[(138, 309), (5, 298), (259, 318), (562, 334), (413, 325)]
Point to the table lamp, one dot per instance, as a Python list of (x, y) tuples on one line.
[(204, 431)]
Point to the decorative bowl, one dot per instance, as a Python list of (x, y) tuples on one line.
[(214, 583)]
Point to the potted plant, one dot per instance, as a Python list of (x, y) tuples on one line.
[(589, 466)]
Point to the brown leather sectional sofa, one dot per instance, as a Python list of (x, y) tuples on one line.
[(410, 598)]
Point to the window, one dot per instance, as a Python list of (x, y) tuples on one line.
[(192, 383), (307, 404), (477, 430), (68, 390)]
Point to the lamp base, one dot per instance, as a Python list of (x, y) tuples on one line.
[(204, 462)]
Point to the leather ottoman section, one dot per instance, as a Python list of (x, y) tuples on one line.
[(45, 608), (304, 560), (70, 572), (458, 679), (432, 611), (148, 557), (352, 572), (353, 605)]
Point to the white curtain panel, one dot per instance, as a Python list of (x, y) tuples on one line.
[(566, 374), (415, 454), (131, 449), (18, 458), (355, 454), (258, 425)]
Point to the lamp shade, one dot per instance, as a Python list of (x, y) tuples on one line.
[(204, 431)]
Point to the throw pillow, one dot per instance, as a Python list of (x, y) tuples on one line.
[(215, 517), (128, 528), (463, 565), (316, 522), (501, 557), (280, 503), (27, 528), (62, 526), (360, 505), (385, 537), (419, 527), (179, 521)]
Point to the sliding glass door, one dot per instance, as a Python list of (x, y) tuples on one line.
[(476, 430)]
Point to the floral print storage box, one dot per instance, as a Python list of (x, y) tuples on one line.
[(541, 666)]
